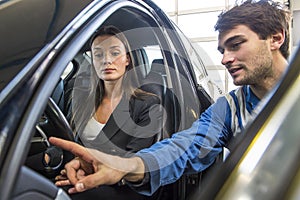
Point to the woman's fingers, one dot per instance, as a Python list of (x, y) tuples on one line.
[(61, 183)]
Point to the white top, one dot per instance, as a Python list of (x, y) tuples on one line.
[(92, 129)]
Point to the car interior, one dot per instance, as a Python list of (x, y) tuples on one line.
[(158, 72), (164, 68)]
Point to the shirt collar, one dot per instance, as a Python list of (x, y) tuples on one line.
[(251, 98)]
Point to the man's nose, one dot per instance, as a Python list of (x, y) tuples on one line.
[(228, 58)]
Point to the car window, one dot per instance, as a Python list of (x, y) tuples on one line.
[(47, 87), (153, 52), (198, 58), (68, 70)]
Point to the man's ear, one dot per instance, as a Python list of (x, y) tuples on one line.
[(277, 40)]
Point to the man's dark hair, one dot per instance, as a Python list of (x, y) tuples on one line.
[(263, 17)]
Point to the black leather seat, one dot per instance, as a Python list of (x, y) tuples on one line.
[(156, 83)]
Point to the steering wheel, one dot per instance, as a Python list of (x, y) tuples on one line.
[(52, 123), (58, 121)]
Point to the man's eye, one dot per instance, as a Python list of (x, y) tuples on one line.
[(235, 46)]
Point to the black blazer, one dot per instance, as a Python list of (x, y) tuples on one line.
[(133, 125)]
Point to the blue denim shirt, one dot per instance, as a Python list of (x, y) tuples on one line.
[(195, 149)]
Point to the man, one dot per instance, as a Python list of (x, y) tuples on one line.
[(254, 41)]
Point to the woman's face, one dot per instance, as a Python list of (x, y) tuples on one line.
[(109, 57)]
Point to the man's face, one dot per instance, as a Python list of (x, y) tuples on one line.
[(247, 58)]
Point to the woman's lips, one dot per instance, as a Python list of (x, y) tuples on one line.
[(107, 70)]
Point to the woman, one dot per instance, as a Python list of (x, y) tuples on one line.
[(114, 117)]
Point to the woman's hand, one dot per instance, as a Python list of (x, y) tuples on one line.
[(77, 165)]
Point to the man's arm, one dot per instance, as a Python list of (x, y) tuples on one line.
[(189, 151), (107, 169)]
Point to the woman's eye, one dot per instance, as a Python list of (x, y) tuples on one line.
[(98, 55), (115, 53)]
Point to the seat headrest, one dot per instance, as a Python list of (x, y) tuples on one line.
[(158, 66)]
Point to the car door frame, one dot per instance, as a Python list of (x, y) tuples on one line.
[(30, 89)]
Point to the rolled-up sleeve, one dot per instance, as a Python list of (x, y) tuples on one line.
[(188, 151)]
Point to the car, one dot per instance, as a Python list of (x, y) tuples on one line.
[(264, 162), (44, 56)]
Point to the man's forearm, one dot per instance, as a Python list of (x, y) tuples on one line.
[(136, 172)]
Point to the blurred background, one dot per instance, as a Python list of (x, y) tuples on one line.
[(196, 18)]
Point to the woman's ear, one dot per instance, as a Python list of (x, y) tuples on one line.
[(127, 59), (277, 40)]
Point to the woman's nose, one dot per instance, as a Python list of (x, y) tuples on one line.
[(107, 59)]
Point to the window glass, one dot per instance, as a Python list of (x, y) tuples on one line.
[(68, 70), (144, 43), (214, 67), (214, 55), (196, 58), (153, 52), (218, 77), (199, 60)]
